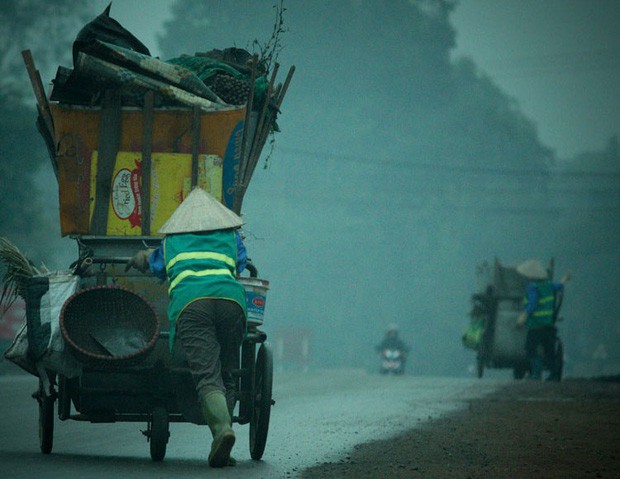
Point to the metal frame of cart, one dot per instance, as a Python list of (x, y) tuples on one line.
[(159, 390)]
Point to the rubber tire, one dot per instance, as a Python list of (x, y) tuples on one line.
[(261, 396), (46, 423), (559, 361), (519, 372), (248, 363), (64, 397), (160, 432), (479, 368)]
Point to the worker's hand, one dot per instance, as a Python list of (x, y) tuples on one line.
[(521, 320), (566, 278), (140, 261)]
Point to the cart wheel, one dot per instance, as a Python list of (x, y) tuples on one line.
[(64, 398), (558, 363), (159, 433), (480, 365), (248, 364), (46, 422), (263, 383)]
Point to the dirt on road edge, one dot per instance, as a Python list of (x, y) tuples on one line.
[(528, 429)]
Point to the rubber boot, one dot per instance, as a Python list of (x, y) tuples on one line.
[(215, 411), (231, 402)]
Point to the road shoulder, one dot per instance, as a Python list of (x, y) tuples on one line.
[(526, 429)]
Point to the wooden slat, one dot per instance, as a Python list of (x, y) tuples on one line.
[(264, 133), (249, 106), (39, 91), (109, 139), (239, 191), (287, 82), (252, 159), (49, 141), (45, 121), (147, 147)]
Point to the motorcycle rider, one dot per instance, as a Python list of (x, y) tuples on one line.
[(392, 341)]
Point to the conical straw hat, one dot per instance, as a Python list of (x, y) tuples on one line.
[(200, 212), (532, 269)]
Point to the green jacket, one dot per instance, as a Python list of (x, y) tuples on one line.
[(540, 303), (201, 265)]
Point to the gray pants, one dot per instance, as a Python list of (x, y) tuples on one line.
[(210, 332)]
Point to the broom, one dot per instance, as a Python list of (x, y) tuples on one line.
[(17, 269)]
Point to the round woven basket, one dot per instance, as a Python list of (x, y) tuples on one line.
[(109, 326)]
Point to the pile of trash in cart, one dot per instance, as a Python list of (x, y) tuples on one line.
[(106, 55)]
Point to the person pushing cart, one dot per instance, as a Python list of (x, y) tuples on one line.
[(201, 256), (539, 316)]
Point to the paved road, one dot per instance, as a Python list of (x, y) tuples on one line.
[(318, 417)]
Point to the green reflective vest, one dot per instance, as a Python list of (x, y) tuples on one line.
[(201, 265), (543, 313)]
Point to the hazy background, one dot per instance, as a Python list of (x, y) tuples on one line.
[(419, 139)]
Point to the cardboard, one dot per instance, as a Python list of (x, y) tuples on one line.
[(77, 131), (170, 184)]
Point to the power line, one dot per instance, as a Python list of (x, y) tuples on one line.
[(453, 168)]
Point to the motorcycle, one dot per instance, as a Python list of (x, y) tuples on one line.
[(392, 361)]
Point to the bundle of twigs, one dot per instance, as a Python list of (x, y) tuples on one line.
[(17, 269)]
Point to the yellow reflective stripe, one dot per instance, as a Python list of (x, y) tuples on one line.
[(201, 255), (545, 299), (204, 272)]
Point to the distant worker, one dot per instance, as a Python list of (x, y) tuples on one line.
[(539, 318), (393, 352), (201, 256)]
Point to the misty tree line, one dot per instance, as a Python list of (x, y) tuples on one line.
[(424, 168), (398, 169), (29, 215)]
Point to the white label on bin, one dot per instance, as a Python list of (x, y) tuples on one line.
[(126, 195), (255, 305)]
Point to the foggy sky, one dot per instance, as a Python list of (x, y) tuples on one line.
[(560, 59)]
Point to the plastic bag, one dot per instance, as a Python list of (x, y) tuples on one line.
[(39, 345), (473, 334), (17, 352), (106, 29)]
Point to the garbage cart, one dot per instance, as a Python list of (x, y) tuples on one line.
[(116, 328), (129, 137), (492, 330)]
